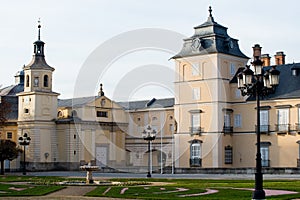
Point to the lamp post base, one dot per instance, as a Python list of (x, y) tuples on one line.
[(148, 175), (258, 194)]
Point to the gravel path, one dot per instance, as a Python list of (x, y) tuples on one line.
[(73, 191)]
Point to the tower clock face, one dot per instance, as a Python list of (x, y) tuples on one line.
[(196, 44)]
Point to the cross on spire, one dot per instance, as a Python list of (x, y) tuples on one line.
[(210, 11)]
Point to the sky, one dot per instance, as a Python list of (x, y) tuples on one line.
[(78, 31)]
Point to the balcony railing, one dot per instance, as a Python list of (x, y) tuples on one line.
[(228, 129), (264, 129), (265, 163), (196, 130), (282, 128), (297, 127), (195, 162)]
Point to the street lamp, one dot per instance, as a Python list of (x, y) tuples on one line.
[(258, 83), (24, 141), (149, 135)]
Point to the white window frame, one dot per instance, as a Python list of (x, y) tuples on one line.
[(283, 118), (237, 120), (232, 69), (264, 120), (238, 94), (196, 150), (196, 93), (195, 69), (194, 121), (265, 155), (227, 119)]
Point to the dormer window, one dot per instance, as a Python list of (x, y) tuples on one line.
[(46, 81)]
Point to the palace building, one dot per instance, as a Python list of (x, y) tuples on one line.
[(208, 125)]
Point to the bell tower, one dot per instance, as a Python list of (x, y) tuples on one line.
[(38, 108)]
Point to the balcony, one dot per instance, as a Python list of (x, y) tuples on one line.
[(282, 128), (195, 162), (297, 127), (264, 129), (265, 163), (227, 129), (196, 130)]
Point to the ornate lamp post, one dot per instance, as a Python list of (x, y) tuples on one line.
[(24, 141), (258, 83), (149, 135)]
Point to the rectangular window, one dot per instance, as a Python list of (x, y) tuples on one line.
[(102, 114), (195, 120), (265, 162), (232, 69), (228, 155), (195, 70), (237, 121), (283, 119), (238, 94), (227, 121), (264, 121), (9, 135), (196, 94), (196, 150)]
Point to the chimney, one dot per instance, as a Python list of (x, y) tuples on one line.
[(280, 58), (256, 51), (266, 60)]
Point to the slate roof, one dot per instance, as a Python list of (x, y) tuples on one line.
[(210, 37), (38, 62), (11, 90), (144, 104), (289, 84), (76, 102)]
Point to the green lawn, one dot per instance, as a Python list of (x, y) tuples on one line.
[(227, 189), (26, 190), (143, 189)]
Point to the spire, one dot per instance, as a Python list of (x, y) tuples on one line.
[(39, 27), (39, 45), (38, 61), (101, 93), (210, 17)]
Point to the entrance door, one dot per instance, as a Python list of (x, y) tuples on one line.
[(101, 156)]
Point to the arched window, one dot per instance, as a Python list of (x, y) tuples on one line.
[(27, 80), (59, 114), (46, 80), (74, 113)]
